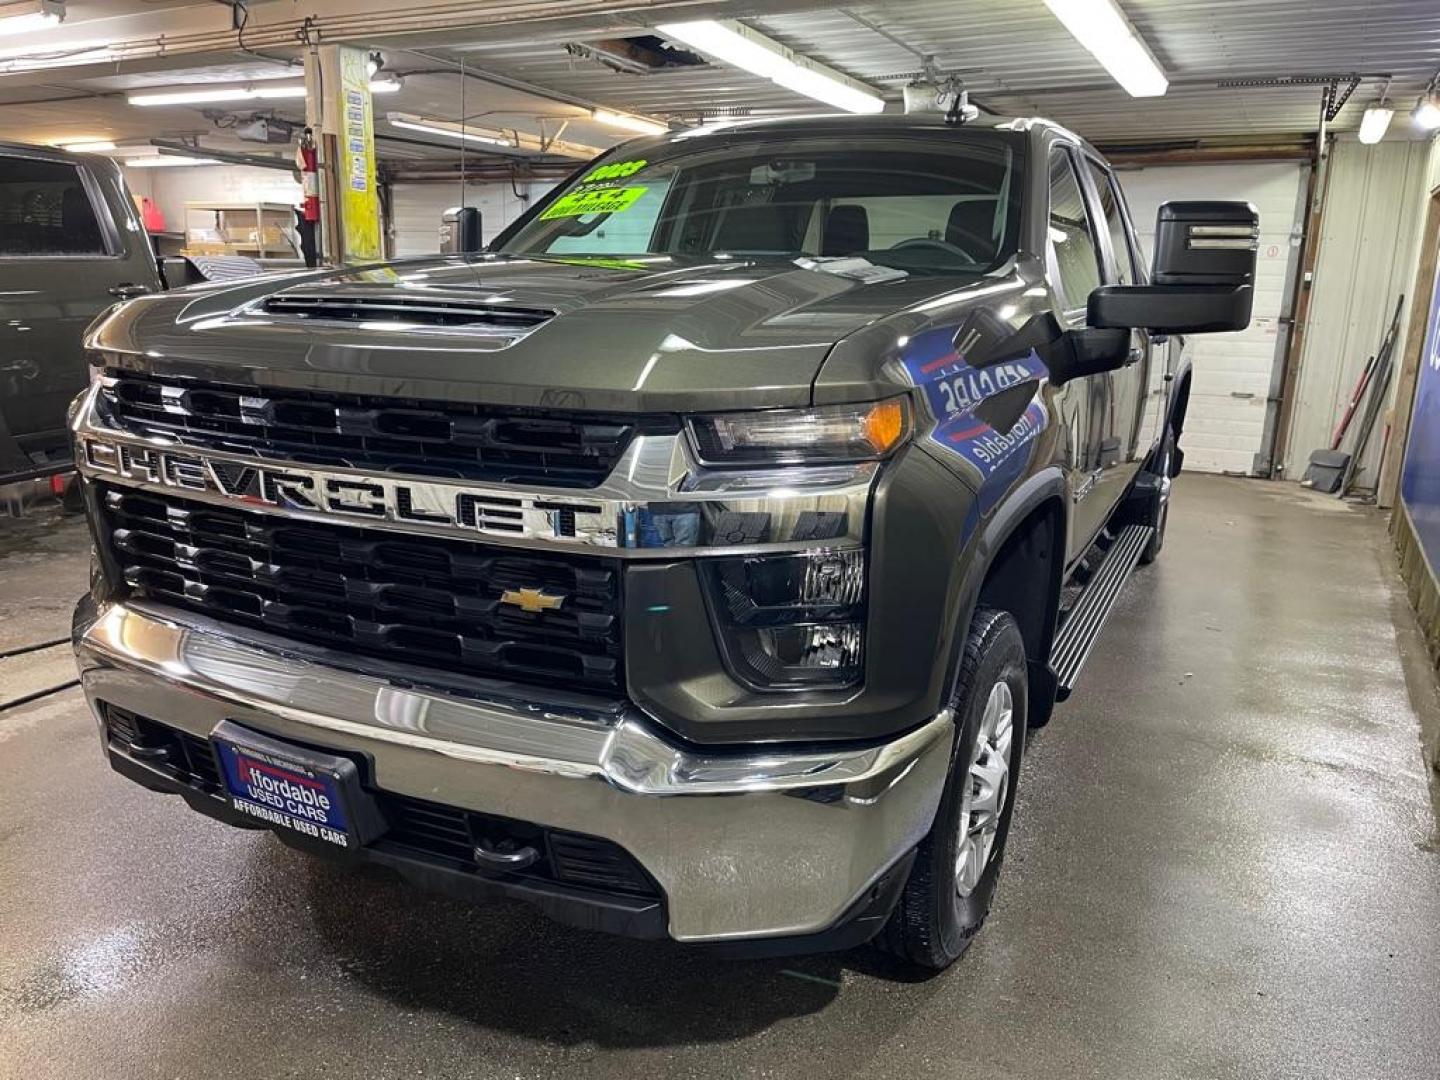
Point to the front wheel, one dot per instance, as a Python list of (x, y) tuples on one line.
[(948, 894)]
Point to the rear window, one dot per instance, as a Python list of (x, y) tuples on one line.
[(45, 210)]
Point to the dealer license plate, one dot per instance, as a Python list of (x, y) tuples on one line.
[(285, 788)]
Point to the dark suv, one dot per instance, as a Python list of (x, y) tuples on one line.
[(691, 563), (71, 244)]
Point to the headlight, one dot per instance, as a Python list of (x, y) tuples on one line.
[(796, 436), (791, 621)]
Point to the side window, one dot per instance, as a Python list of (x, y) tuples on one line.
[(1107, 189), (1074, 254), (45, 210)]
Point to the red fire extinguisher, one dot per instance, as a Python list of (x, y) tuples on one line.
[(308, 217)]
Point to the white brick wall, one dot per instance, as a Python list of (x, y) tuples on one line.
[(1224, 428), (417, 209)]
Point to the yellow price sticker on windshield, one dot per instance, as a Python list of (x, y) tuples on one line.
[(596, 201)]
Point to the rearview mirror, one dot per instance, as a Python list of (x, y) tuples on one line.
[(1203, 276)]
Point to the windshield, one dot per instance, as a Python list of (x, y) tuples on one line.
[(894, 202)]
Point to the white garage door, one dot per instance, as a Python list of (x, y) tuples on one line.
[(1225, 425), (417, 209)]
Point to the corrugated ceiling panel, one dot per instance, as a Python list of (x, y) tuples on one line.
[(1017, 58)]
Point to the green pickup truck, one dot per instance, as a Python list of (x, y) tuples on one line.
[(71, 244), (691, 563)]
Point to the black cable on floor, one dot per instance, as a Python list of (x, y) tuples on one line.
[(21, 650), (38, 694)]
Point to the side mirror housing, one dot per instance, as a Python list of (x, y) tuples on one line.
[(1203, 276), (460, 231)]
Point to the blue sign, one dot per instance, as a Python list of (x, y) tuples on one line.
[(1420, 482), (287, 794), (954, 389)]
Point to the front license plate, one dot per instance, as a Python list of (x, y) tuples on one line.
[(287, 790)]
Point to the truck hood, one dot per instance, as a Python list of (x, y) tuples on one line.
[(631, 335)]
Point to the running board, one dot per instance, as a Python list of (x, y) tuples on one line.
[(1086, 618)]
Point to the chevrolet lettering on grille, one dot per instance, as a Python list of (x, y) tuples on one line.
[(422, 504)]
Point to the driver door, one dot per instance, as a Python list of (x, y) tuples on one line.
[(1073, 258), (1130, 423)]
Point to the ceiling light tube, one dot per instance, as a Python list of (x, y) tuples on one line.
[(162, 161), (628, 122), (190, 97), (467, 135), (736, 44), (28, 16), (204, 95), (1375, 123), (1102, 28), (523, 141), (92, 146)]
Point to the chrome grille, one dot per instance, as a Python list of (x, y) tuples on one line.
[(431, 602), (378, 434)]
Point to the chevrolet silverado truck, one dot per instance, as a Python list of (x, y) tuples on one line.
[(692, 562), (71, 244)]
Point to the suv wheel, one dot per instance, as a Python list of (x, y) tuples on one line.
[(951, 884)]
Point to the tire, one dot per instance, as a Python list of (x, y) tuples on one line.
[(1161, 514), (939, 911)]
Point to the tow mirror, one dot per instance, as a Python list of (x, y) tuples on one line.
[(460, 231), (1203, 279)]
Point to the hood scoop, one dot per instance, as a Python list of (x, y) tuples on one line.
[(405, 312)]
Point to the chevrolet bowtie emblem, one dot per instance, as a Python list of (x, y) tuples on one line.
[(531, 600)]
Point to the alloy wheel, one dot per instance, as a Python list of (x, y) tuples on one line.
[(987, 782)]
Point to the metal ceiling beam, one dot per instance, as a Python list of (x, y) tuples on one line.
[(228, 156)]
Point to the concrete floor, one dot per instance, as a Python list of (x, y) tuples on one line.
[(1225, 865)]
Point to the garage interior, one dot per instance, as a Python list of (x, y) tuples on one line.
[(1227, 857)]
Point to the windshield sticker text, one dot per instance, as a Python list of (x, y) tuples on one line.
[(616, 170), (594, 201)]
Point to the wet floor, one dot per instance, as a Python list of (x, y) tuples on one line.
[(1225, 865)]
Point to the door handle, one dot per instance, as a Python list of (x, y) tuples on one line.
[(128, 290)]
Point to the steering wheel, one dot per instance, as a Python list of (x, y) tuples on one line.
[(938, 245)]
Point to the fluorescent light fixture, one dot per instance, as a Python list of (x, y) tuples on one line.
[(736, 44), (523, 141), (467, 135), (1375, 123), (193, 97), (628, 122), (1427, 111), (1103, 29), (167, 161), (28, 16), (94, 146), (204, 95)]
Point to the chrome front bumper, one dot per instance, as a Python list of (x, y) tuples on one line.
[(765, 844)]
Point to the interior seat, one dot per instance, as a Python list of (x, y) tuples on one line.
[(847, 230)]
